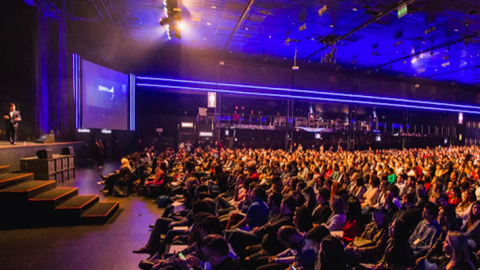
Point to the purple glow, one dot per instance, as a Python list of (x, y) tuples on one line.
[(306, 98), (313, 92)]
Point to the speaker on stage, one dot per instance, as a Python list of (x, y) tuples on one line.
[(45, 154), (68, 151), (46, 138)]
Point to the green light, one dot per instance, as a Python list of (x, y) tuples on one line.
[(402, 11)]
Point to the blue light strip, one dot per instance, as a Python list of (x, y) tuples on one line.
[(312, 92), (306, 98), (132, 102)]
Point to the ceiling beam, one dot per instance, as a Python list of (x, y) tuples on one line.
[(376, 18), (239, 22)]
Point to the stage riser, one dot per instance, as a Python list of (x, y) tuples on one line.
[(16, 181), (11, 155)]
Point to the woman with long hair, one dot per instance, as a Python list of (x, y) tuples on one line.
[(310, 198), (398, 254), (331, 255), (464, 208), (302, 219), (471, 229), (457, 250), (336, 221), (354, 226)]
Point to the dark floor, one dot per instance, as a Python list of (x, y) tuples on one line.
[(94, 247)]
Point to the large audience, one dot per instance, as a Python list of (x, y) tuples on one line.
[(308, 208)]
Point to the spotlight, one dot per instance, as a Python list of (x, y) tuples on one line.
[(172, 18)]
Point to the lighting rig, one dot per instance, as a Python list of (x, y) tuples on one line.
[(172, 19)]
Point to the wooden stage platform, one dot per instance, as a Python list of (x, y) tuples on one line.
[(11, 154)]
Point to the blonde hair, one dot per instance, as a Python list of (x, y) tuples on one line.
[(126, 163), (460, 249)]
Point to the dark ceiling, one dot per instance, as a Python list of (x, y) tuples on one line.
[(436, 40)]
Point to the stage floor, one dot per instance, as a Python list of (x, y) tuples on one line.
[(20, 144)]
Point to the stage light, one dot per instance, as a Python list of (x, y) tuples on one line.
[(181, 26), (255, 87)]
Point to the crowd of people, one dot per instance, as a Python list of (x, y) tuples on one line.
[(310, 209)]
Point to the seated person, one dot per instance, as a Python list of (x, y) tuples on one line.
[(122, 175), (331, 255), (457, 250), (355, 225), (369, 247), (296, 243), (426, 232), (398, 254), (471, 229), (322, 212), (257, 212), (337, 219)]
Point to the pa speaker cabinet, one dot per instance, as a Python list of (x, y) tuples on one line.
[(45, 154), (68, 150)]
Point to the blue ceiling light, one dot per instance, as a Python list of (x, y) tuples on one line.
[(306, 98), (313, 92)]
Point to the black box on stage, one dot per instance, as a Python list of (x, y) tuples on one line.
[(46, 138), (68, 150), (45, 154)]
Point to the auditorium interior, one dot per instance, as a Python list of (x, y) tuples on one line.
[(135, 116)]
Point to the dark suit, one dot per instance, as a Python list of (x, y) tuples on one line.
[(11, 125)]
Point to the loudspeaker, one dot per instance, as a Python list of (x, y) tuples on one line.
[(44, 154), (46, 138), (68, 151)]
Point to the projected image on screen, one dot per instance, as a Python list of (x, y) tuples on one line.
[(104, 97)]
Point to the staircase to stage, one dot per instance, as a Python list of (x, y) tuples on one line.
[(26, 203)]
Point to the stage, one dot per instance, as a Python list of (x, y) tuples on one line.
[(11, 154)]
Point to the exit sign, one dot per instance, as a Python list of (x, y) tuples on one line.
[(402, 11)]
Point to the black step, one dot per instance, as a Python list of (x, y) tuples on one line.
[(4, 169), (79, 203), (56, 196), (30, 188), (10, 179), (100, 212)]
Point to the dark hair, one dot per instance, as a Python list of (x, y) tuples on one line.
[(451, 217), (290, 202), (202, 188), (276, 198), (285, 232), (301, 184), (318, 233), (332, 256), (211, 224), (410, 197), (354, 209), (393, 188), (260, 193), (396, 255), (216, 243), (464, 185), (472, 219), (325, 193), (304, 221), (432, 208), (203, 206)]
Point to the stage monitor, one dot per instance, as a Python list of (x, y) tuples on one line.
[(105, 94)]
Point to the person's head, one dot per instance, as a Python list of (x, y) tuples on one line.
[(215, 249), (456, 247), (337, 204), (289, 237), (420, 191), (410, 181), (379, 215), (469, 196), (323, 195), (204, 206), (125, 162), (288, 205), (259, 194), (309, 193), (12, 107), (277, 184), (303, 219), (354, 209), (430, 212), (275, 200), (474, 213), (300, 186), (331, 254), (446, 216), (208, 225), (317, 234), (374, 181)]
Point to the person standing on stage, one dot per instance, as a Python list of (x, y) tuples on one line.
[(100, 152), (12, 118)]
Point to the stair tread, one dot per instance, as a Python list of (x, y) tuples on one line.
[(53, 194), (11, 176), (100, 209), (26, 186), (77, 202)]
